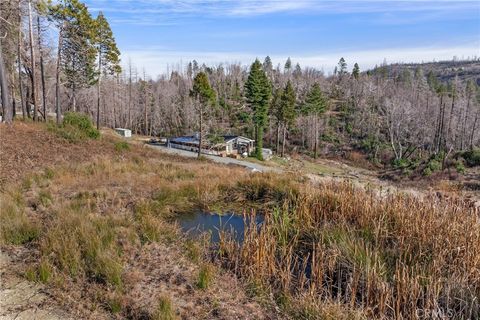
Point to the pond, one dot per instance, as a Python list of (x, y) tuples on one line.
[(199, 222)]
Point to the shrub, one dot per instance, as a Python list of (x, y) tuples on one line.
[(433, 165), (401, 163), (122, 146), (460, 166), (75, 127), (472, 157)]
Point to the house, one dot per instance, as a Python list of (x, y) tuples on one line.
[(219, 145)]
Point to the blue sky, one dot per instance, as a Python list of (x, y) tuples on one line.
[(163, 34)]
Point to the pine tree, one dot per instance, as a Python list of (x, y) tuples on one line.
[(204, 96), (108, 55), (315, 105), (287, 111), (342, 67), (258, 92), (297, 73), (76, 40), (267, 64), (356, 71), (276, 109), (288, 65)]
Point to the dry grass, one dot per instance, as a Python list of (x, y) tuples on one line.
[(380, 258), (83, 227), (99, 231)]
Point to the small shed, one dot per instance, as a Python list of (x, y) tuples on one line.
[(127, 133)]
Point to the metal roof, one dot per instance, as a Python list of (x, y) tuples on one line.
[(194, 140)]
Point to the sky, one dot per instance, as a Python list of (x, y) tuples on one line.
[(161, 35)]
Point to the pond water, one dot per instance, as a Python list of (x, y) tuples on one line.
[(197, 223)]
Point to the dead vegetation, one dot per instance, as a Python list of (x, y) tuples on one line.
[(97, 231), (334, 247)]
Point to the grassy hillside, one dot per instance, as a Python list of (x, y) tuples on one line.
[(92, 221)]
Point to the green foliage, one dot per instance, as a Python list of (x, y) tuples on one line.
[(76, 127), (342, 67), (472, 157), (44, 271), (258, 92), (434, 164), (315, 102), (78, 30), (109, 62), (164, 309), (460, 167), (356, 71), (205, 277), (122, 146), (202, 91), (115, 303), (401, 163), (285, 107)]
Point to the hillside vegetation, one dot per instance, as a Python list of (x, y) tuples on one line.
[(99, 229)]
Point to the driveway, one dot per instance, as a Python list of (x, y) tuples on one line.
[(184, 153)]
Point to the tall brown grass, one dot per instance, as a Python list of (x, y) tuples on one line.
[(334, 245), (326, 251)]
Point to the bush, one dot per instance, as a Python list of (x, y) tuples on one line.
[(433, 165), (122, 146), (472, 157), (76, 127), (460, 167)]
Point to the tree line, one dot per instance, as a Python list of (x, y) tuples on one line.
[(391, 116)]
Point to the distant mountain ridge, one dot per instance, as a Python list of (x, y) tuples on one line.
[(445, 71)]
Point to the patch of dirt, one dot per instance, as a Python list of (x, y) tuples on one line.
[(165, 271), (22, 299)]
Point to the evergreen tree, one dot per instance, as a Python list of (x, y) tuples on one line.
[(276, 109), (108, 55), (287, 111), (258, 92), (288, 65), (77, 33), (297, 73), (342, 67), (267, 64), (204, 96), (315, 105), (356, 71)]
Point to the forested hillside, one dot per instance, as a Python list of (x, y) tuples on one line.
[(59, 58)]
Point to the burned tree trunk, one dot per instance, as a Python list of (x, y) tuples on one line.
[(7, 110)]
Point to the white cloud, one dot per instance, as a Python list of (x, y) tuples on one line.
[(157, 60), (147, 11)]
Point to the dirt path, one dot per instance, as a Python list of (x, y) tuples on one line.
[(22, 299)]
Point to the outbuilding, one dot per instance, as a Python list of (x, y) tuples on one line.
[(127, 133)]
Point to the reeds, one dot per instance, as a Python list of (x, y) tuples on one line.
[(397, 257)]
